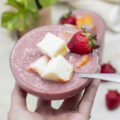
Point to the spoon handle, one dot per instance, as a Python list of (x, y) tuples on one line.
[(107, 77)]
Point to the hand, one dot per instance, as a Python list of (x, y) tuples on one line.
[(75, 108)]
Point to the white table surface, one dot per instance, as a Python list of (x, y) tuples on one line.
[(7, 41)]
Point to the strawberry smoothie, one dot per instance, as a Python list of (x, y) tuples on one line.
[(25, 52)]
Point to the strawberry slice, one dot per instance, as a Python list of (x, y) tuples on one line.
[(112, 100), (68, 19), (83, 42)]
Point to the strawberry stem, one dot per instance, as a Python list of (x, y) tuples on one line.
[(66, 15), (92, 38), (83, 29)]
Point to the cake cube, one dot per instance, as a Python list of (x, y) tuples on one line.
[(58, 69), (53, 46), (39, 65)]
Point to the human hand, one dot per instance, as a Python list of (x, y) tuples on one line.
[(75, 108)]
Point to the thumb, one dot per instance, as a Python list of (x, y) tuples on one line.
[(18, 97)]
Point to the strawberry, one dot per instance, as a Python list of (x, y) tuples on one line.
[(107, 68), (112, 100), (82, 42), (68, 19)]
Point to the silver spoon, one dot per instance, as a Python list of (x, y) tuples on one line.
[(107, 77)]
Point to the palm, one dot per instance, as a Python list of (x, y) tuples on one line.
[(59, 116), (65, 112), (75, 108), (48, 115)]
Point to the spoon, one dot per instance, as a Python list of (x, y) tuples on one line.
[(107, 77)]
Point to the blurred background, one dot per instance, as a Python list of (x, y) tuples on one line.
[(51, 13)]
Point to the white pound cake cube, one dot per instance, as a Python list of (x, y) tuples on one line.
[(39, 65), (58, 69), (52, 46)]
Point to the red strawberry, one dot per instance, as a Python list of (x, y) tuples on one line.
[(112, 100), (68, 19), (82, 42), (107, 68)]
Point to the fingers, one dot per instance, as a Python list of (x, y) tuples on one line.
[(42, 105), (88, 98), (70, 103), (18, 97)]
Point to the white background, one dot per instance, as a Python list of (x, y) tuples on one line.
[(7, 41)]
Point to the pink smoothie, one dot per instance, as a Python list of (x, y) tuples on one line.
[(25, 52)]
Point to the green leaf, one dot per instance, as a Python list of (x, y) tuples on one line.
[(10, 20), (24, 21), (18, 21), (26, 15), (34, 18), (15, 4), (46, 3), (29, 5), (28, 19), (32, 6)]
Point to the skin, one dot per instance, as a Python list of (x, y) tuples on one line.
[(75, 108)]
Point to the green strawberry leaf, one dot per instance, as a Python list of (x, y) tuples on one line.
[(92, 36), (66, 15), (86, 34), (46, 3), (83, 29), (95, 46)]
